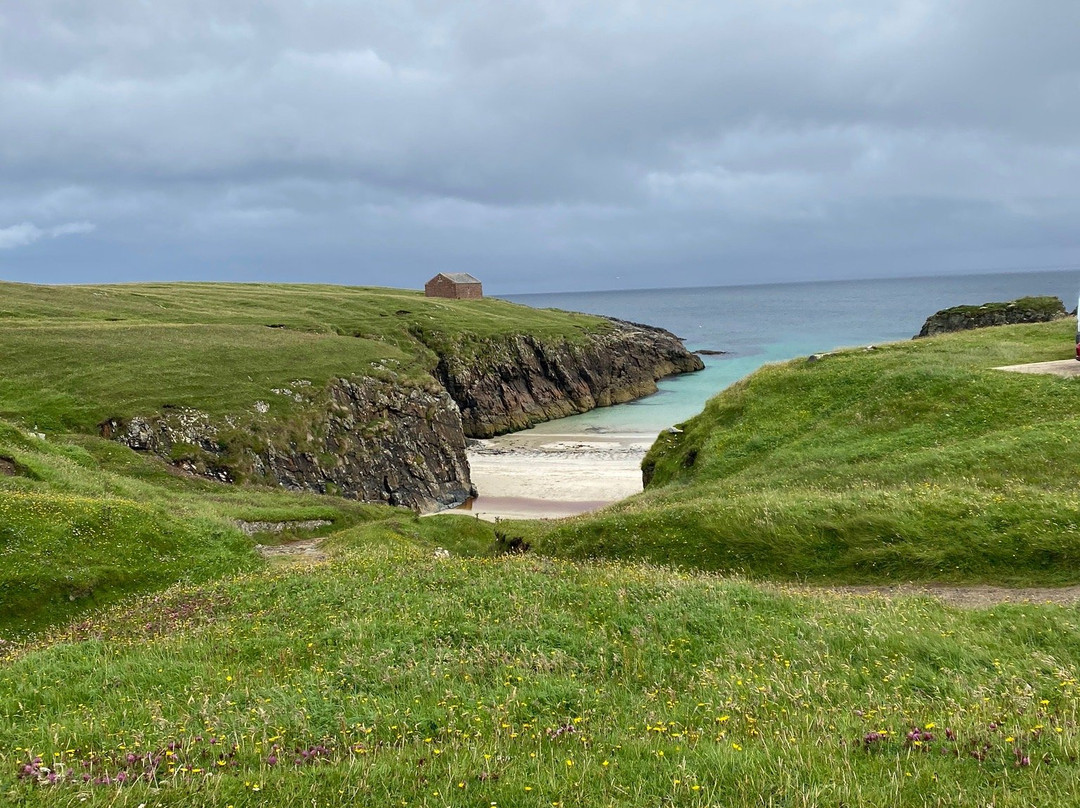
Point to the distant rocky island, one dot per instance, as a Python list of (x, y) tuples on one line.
[(1022, 310)]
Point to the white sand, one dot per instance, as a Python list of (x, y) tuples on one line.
[(528, 475)]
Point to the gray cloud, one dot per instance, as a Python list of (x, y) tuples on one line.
[(543, 144)]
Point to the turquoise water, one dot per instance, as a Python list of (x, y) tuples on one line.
[(771, 323)]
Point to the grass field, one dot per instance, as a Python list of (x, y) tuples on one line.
[(84, 521), (76, 355), (392, 676), (150, 658), (917, 461)]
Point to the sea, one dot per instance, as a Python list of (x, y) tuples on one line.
[(755, 325)]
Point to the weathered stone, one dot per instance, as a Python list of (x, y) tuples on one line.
[(253, 528), (1024, 310), (511, 383), (368, 440)]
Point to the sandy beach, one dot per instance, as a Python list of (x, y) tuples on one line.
[(544, 475)]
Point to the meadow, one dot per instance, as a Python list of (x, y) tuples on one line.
[(394, 675), (663, 651), (78, 355)]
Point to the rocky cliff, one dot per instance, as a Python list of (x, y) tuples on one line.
[(1024, 310), (508, 383), (364, 439), (403, 443)]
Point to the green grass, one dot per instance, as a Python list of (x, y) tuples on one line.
[(416, 680), (77, 355), (1046, 305), (917, 461), (397, 674), (84, 521)]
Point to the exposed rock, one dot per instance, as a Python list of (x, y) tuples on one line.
[(363, 439), (506, 384), (709, 352), (251, 528), (379, 442), (307, 550), (1024, 310)]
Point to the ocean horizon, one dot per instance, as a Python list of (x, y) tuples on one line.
[(758, 324)]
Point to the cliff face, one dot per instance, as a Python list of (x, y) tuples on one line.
[(506, 384), (962, 318), (367, 440), (404, 444)]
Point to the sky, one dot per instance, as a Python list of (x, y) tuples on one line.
[(541, 145)]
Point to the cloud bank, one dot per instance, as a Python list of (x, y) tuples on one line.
[(541, 144)]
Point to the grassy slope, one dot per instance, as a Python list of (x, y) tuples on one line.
[(86, 521), (76, 355), (1047, 306), (393, 677), (916, 461)]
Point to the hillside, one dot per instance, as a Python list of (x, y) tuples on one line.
[(422, 664), (367, 393), (82, 354), (86, 521), (915, 461)]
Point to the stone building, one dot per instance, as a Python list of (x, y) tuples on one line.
[(458, 285)]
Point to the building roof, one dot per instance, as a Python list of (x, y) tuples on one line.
[(459, 277)]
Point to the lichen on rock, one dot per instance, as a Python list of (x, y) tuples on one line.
[(1023, 310)]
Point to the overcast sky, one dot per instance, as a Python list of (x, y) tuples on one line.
[(542, 145)]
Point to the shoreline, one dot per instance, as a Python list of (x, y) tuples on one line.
[(542, 475)]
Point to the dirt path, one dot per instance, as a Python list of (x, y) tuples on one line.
[(1060, 367), (969, 597), (302, 551)]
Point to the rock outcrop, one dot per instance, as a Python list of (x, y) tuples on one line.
[(403, 443), (1024, 310), (510, 383), (364, 439)]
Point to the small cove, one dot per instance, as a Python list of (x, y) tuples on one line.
[(585, 461)]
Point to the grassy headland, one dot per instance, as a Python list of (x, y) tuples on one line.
[(916, 461), (77, 355), (83, 520)]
